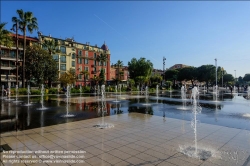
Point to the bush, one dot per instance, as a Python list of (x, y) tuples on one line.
[(86, 89), (35, 92), (22, 91), (53, 91), (74, 90)]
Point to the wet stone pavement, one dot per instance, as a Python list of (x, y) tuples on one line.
[(135, 139)]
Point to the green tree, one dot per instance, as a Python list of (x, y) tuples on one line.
[(119, 64), (101, 77), (246, 77), (51, 46), (40, 65), (228, 78), (206, 73), (50, 73), (187, 74), (140, 69), (85, 73), (69, 77), (6, 40), (140, 80), (131, 82), (102, 58), (26, 21), (171, 75), (155, 80)]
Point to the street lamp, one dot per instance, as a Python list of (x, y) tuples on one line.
[(235, 75), (222, 73), (16, 51), (164, 59), (215, 72)]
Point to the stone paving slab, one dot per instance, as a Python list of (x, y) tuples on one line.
[(135, 139)]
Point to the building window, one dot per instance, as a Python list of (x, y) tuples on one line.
[(63, 67), (79, 60), (2, 52), (13, 54), (86, 53), (104, 63), (95, 62), (79, 52), (94, 55), (73, 56), (86, 68), (56, 57), (73, 63), (63, 49), (79, 76), (63, 59), (86, 61)]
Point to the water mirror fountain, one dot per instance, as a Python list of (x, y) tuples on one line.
[(137, 111), (42, 98), (103, 110), (28, 96), (157, 91), (184, 99), (58, 89), (16, 94), (195, 151), (67, 115)]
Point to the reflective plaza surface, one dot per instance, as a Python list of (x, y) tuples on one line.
[(146, 130)]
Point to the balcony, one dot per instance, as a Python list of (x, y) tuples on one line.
[(11, 78), (10, 57), (8, 67)]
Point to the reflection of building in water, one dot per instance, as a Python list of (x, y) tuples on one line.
[(92, 107)]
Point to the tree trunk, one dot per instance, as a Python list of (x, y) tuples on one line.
[(24, 52), (207, 85), (0, 66)]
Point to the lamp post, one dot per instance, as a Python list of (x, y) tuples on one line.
[(16, 52), (222, 73), (164, 59), (215, 72), (235, 76)]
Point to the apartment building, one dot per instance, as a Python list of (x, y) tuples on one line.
[(80, 57), (10, 61), (178, 66)]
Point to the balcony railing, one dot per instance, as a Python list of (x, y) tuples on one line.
[(11, 78), (9, 56)]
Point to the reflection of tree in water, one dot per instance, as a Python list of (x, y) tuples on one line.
[(143, 110)]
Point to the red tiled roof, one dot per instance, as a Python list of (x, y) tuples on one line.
[(27, 37)]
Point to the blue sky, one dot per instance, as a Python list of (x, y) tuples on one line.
[(187, 32)]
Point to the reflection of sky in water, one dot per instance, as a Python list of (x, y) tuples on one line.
[(230, 111)]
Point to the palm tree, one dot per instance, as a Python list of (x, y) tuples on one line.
[(119, 64), (51, 46), (85, 73), (102, 58), (6, 40), (26, 21)]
